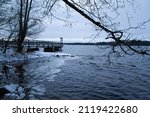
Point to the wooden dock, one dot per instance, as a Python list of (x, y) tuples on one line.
[(49, 46), (34, 45)]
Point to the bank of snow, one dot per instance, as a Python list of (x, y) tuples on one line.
[(13, 56), (39, 54), (12, 90)]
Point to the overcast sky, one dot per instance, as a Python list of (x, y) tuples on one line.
[(81, 29)]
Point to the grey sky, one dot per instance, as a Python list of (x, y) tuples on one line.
[(81, 30)]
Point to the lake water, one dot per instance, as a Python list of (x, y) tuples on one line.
[(92, 77), (87, 73)]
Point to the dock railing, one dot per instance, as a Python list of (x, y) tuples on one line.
[(29, 44)]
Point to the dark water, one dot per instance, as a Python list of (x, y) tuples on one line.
[(85, 74), (92, 77)]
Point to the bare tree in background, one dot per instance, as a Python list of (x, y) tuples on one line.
[(102, 14), (10, 29), (3, 14), (20, 19), (7, 30)]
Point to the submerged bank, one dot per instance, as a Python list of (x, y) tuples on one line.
[(21, 74), (83, 73)]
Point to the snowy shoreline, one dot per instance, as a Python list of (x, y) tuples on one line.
[(11, 56), (11, 89)]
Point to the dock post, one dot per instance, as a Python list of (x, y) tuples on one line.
[(61, 40), (61, 43)]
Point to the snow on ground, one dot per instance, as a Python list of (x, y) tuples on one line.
[(46, 54), (10, 55), (17, 91)]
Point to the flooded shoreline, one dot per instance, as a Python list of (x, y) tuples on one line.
[(30, 74), (83, 74)]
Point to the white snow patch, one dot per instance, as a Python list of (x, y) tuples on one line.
[(11, 87), (16, 92), (37, 90), (46, 54), (11, 55)]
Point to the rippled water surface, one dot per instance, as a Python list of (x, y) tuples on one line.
[(92, 77), (87, 74)]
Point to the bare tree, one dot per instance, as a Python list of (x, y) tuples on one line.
[(3, 13), (29, 23), (102, 14), (6, 27), (24, 14), (11, 32), (18, 20)]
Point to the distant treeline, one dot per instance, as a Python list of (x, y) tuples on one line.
[(80, 43), (131, 42)]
